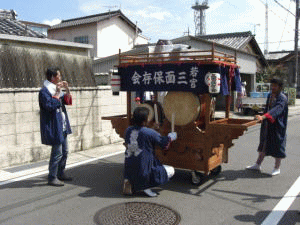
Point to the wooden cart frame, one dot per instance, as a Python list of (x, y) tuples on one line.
[(200, 149)]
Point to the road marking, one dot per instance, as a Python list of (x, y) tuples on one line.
[(280, 209), (67, 167)]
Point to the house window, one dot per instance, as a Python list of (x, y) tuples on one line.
[(82, 39), (41, 30)]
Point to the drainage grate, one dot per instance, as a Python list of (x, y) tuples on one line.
[(137, 213)]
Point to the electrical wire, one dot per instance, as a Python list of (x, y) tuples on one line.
[(285, 8), (275, 42), (282, 20), (284, 23), (277, 16)]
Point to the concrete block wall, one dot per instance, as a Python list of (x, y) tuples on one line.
[(20, 126)]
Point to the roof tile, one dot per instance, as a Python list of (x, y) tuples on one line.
[(233, 40), (15, 27)]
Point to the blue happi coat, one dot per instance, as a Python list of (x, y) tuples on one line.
[(273, 129), (51, 121), (142, 168)]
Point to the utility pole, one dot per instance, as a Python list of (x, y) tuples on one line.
[(266, 50), (296, 47)]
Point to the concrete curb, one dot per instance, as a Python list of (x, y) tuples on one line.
[(22, 172)]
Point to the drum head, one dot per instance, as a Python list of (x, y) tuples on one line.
[(185, 105), (151, 110)]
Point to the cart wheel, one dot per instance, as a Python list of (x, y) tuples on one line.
[(216, 171), (197, 177)]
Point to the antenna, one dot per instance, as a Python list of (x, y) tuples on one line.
[(199, 17), (110, 6)]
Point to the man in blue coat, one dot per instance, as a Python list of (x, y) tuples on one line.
[(54, 124), (142, 169), (273, 128)]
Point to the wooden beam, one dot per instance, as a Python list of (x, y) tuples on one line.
[(207, 110), (228, 101), (128, 107)]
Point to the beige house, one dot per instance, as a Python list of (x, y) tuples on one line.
[(107, 32)]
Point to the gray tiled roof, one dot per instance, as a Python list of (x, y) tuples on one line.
[(15, 27), (277, 55), (92, 19), (233, 40)]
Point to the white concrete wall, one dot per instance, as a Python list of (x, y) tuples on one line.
[(141, 40), (113, 35), (20, 126), (247, 63)]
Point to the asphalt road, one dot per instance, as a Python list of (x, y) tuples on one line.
[(235, 196)]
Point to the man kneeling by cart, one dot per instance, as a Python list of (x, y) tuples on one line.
[(142, 169)]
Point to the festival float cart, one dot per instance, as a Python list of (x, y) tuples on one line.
[(189, 81)]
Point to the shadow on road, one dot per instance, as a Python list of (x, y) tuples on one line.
[(181, 182), (290, 217), (104, 179)]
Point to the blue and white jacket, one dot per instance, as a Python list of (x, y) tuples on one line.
[(54, 121)]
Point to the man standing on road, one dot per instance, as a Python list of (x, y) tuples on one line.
[(273, 128), (54, 124)]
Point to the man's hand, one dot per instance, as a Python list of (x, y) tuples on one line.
[(58, 87), (58, 90), (66, 86), (259, 118), (172, 136)]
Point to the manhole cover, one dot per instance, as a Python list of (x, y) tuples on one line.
[(137, 213)]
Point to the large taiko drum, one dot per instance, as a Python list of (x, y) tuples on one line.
[(187, 107)]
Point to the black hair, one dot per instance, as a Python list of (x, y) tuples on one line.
[(278, 81), (51, 72), (140, 115)]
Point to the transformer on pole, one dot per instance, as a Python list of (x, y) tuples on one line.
[(199, 17)]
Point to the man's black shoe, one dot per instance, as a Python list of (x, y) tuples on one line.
[(65, 178), (55, 182)]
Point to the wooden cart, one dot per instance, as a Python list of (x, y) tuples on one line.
[(203, 144)]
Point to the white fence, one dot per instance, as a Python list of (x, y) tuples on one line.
[(20, 122)]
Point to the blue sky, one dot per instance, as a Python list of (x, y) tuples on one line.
[(170, 19)]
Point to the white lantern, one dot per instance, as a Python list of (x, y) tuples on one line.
[(115, 82), (213, 81)]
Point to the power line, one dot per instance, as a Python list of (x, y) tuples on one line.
[(284, 24), (278, 16), (275, 42), (281, 20), (284, 7)]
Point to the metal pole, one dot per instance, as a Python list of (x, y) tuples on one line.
[(266, 51), (296, 46)]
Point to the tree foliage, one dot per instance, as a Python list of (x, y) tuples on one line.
[(272, 71)]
